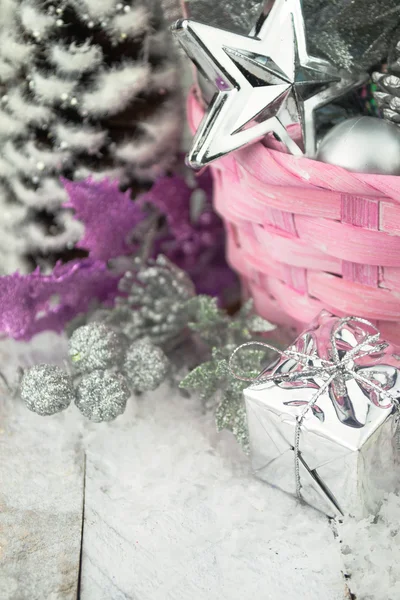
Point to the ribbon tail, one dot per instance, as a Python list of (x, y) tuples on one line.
[(380, 391), (343, 406)]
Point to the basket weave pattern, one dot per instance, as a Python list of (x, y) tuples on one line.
[(305, 235)]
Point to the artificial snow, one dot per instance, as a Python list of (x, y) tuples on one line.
[(34, 20), (96, 8), (27, 111), (50, 88), (76, 59), (82, 137), (72, 231), (133, 23), (115, 89), (49, 194), (10, 126), (371, 553)]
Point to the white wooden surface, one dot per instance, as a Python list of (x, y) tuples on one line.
[(41, 497), (170, 510)]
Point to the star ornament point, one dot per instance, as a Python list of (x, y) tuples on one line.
[(263, 82)]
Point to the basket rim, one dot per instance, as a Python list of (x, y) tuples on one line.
[(244, 156)]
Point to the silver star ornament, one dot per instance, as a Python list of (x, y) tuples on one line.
[(264, 82)]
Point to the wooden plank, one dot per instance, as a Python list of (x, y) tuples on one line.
[(41, 490), (173, 513)]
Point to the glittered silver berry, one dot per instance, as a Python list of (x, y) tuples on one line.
[(102, 395), (46, 389), (146, 366), (96, 346)]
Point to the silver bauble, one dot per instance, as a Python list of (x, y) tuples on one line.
[(363, 145), (46, 389), (96, 346), (146, 366), (102, 395)]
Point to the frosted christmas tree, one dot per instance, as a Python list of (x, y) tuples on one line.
[(87, 87)]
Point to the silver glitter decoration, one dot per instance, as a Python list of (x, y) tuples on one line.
[(231, 415), (354, 34), (96, 346), (46, 389), (387, 94), (235, 15), (102, 395), (212, 379), (146, 366), (155, 294)]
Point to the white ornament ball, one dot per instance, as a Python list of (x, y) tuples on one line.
[(363, 145)]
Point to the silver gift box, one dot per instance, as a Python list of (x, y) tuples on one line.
[(348, 447)]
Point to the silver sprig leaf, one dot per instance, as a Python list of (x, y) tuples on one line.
[(206, 380), (213, 379), (215, 385), (156, 294), (208, 321), (217, 329), (231, 415)]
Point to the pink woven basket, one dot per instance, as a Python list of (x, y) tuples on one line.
[(304, 235)]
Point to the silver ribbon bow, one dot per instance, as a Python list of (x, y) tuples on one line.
[(300, 367)]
